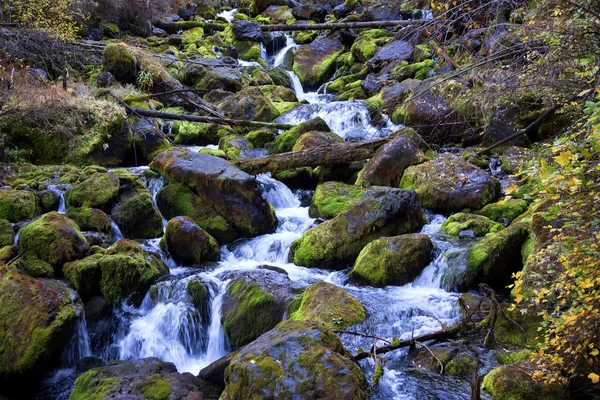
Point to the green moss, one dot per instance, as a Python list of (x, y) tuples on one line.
[(364, 49), (329, 305), (259, 138), (375, 33), (333, 198), (504, 211), (505, 332), (96, 191), (248, 50), (18, 205), (84, 275), (110, 30), (305, 37), (7, 233), (514, 382), (158, 389), (284, 106), (285, 142), (198, 292), (91, 387), (90, 219), (460, 365), (480, 225), (512, 357), (118, 54), (7, 253), (34, 266), (191, 36), (240, 17), (214, 152)]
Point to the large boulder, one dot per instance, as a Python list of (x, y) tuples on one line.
[(394, 52), (477, 224), (246, 30), (336, 243), (7, 233), (120, 62), (504, 211), (123, 270), (297, 359), (515, 382), (314, 62), (18, 205), (148, 139), (314, 139), (135, 212), (328, 305), (90, 219), (388, 163), (232, 193), (176, 199), (53, 238), (37, 318), (332, 198), (188, 243), (226, 78), (450, 183), (258, 6), (287, 140), (249, 104), (393, 260), (98, 191), (144, 379)]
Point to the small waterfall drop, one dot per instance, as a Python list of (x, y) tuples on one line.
[(79, 345), (60, 191), (228, 15), (280, 56), (116, 232)]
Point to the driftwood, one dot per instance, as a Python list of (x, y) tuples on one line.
[(475, 382), (196, 118), (174, 27), (341, 25), (337, 154)]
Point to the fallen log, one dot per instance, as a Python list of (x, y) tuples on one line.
[(174, 27), (342, 25), (337, 154), (437, 335), (196, 118)]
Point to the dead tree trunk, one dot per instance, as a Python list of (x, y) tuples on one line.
[(341, 25), (174, 27), (337, 154)]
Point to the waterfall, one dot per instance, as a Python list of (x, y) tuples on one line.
[(79, 345), (116, 231), (60, 191), (276, 193), (280, 56), (228, 15)]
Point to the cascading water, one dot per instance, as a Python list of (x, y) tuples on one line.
[(60, 191)]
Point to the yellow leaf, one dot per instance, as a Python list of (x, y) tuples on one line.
[(563, 159), (511, 189), (519, 298), (594, 377)]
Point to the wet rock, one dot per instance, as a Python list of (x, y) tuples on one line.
[(199, 294), (7, 233), (314, 62), (258, 6), (328, 305), (504, 211), (120, 62), (215, 372), (34, 266), (387, 165), (278, 15), (515, 382), (298, 359), (234, 146), (49, 200), (98, 191), (341, 11), (332, 198), (159, 32), (149, 140), (124, 269), (87, 363), (313, 139), (502, 125), (450, 183), (147, 378), (176, 199), (393, 260), (188, 243), (454, 360), (478, 224), (254, 303), (37, 317), (302, 12), (53, 238), (286, 141), (249, 104), (371, 85), (225, 78), (468, 234), (7, 253), (135, 212), (319, 12), (230, 192), (18, 205), (514, 158), (336, 243), (90, 219), (396, 51)]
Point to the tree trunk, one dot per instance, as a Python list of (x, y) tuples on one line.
[(174, 27), (341, 25)]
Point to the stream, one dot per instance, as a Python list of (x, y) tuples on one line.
[(167, 325)]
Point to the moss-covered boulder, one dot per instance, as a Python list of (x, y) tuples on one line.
[(249, 104), (514, 382), (37, 318), (119, 61), (393, 260), (515, 158), (328, 305), (504, 211), (336, 243), (507, 333), (497, 257), (224, 78), (332, 198), (314, 62), (90, 219), (7, 253), (136, 215), (450, 183), (176, 199), (84, 275), (454, 362), (286, 141), (34, 266), (53, 238), (146, 378), (18, 205), (234, 146), (260, 137), (314, 139), (188, 243), (199, 294), (230, 192), (7, 233), (258, 6), (387, 165), (479, 224), (296, 359), (98, 191)]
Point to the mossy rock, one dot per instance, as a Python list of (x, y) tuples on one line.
[(84, 275), (514, 382), (34, 266), (453, 361), (18, 205), (504, 211), (188, 243), (118, 60), (253, 312), (393, 260), (199, 294), (248, 50), (314, 139), (191, 36), (328, 305), (53, 238), (249, 104), (337, 243), (332, 198), (314, 62), (294, 360), (364, 49), (479, 224), (515, 158), (259, 138), (7, 253), (505, 332), (234, 146), (450, 183), (37, 318), (286, 141), (90, 219), (511, 357), (137, 216), (176, 199), (126, 269), (7, 233), (49, 200), (497, 257)]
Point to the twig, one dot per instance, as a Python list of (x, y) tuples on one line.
[(434, 356), (362, 335)]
